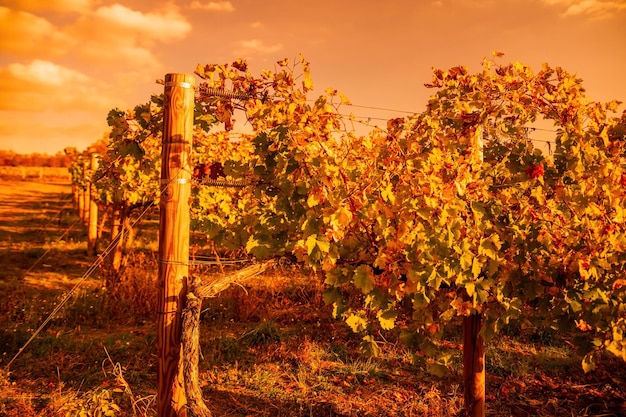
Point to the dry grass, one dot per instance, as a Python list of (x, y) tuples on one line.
[(271, 349)]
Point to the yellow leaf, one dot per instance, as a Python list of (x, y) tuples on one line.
[(387, 319), (490, 246), (344, 99), (470, 287), (307, 83), (320, 243), (311, 242), (341, 217), (477, 267), (387, 194), (317, 196), (466, 260), (356, 322)]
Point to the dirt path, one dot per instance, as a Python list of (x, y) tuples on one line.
[(41, 241), (28, 207)]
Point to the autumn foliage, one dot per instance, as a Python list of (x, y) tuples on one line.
[(446, 213), (453, 210)]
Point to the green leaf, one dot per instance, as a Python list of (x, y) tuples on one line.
[(132, 148), (437, 369), (420, 300), (258, 249), (429, 348), (206, 120), (369, 346), (364, 278), (331, 295), (490, 246), (478, 209), (387, 319), (481, 295), (339, 308), (338, 276)]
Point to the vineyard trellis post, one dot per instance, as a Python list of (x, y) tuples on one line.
[(178, 108), (86, 195), (473, 366), (117, 218), (92, 229), (473, 340), (81, 193)]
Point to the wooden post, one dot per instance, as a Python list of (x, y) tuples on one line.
[(81, 203), (81, 192), (178, 108), (74, 192), (473, 341), (92, 230), (86, 197), (117, 220), (473, 366)]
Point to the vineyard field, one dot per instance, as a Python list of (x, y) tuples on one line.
[(272, 348), (48, 174)]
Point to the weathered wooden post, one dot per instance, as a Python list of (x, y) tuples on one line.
[(86, 197), (473, 341), (178, 107), (92, 230)]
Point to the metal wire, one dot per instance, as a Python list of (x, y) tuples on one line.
[(220, 92), (205, 260), (226, 183)]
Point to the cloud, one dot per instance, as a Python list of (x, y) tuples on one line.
[(590, 8), (43, 85), (213, 6), (117, 34), (107, 34), (23, 34), (59, 6), (124, 55), (163, 26), (45, 72), (251, 46)]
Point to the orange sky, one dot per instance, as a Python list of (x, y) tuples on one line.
[(65, 63)]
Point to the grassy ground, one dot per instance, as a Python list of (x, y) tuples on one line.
[(271, 349)]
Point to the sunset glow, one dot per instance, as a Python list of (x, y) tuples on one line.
[(65, 63)]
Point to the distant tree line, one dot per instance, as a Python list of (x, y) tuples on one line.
[(58, 160)]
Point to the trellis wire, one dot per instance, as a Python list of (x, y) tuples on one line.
[(92, 268), (220, 92), (226, 183)]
